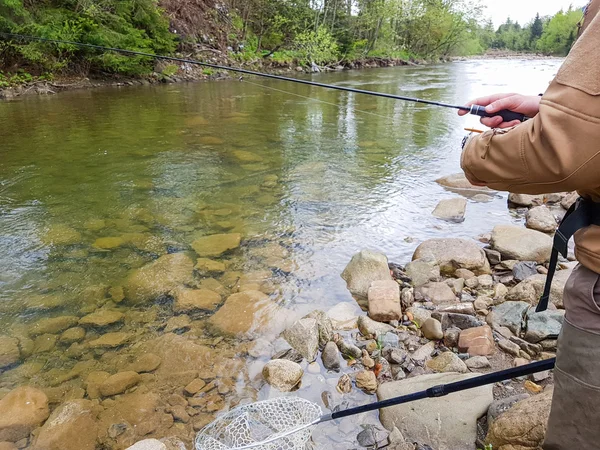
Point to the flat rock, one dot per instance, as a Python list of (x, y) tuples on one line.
[(462, 321), (102, 318), (9, 351), (519, 243), (443, 423), (52, 325), (541, 219), (216, 244), (543, 325), (193, 300), (525, 199), (384, 301), (119, 383), (283, 374), (205, 265), (524, 269), (523, 426), (423, 353), (364, 268), (75, 334), (111, 340), (303, 336), (452, 210), (148, 444), (435, 292), (447, 362), (344, 316), (21, 411), (509, 314), (159, 278), (71, 426), (459, 182), (369, 326), (478, 362), (477, 341), (531, 289), (147, 362), (421, 271), (451, 254)]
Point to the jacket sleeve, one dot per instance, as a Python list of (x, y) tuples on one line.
[(559, 149)]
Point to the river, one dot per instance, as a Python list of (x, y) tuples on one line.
[(307, 176)]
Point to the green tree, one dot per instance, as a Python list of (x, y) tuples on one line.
[(559, 33)]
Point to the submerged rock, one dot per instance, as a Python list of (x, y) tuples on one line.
[(364, 268), (159, 278), (283, 374), (451, 254), (102, 318), (451, 209), (193, 300), (119, 383), (21, 411), (331, 357), (52, 325), (9, 351), (216, 244), (111, 340), (519, 243), (148, 444)]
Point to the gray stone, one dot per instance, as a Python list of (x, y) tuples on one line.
[(303, 336), (525, 199), (443, 423), (325, 327), (421, 271), (282, 374), (331, 357), (364, 268), (452, 254), (462, 321), (420, 315), (524, 269), (423, 353), (452, 210), (447, 362), (541, 219), (502, 405), (371, 435), (432, 329), (348, 349), (148, 444), (515, 242), (493, 256), (368, 326), (451, 337), (509, 314), (478, 362), (543, 325), (435, 292), (509, 347), (531, 289)]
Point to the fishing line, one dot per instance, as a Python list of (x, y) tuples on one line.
[(478, 110)]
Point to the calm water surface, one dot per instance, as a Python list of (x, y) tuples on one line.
[(307, 176)]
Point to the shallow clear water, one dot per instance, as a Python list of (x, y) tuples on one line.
[(319, 173)]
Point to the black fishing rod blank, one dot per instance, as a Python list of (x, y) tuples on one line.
[(507, 116)]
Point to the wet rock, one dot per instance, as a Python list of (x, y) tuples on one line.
[(75, 334), (447, 362), (148, 362), (303, 336), (216, 244), (344, 316), (367, 381), (541, 219), (53, 325), (282, 374), (159, 278), (451, 337), (205, 265), (452, 210), (179, 413), (21, 411), (459, 182), (448, 422), (178, 324), (421, 271), (509, 314), (344, 385), (364, 268), (192, 300), (384, 301), (519, 243), (8, 446), (9, 351), (290, 354), (148, 444), (331, 357), (60, 234), (194, 387), (371, 436), (452, 254), (462, 321), (102, 318), (324, 325), (111, 340), (119, 383), (523, 426), (524, 269), (477, 341), (244, 313), (509, 347), (71, 426), (44, 343), (432, 329), (525, 199), (109, 243), (347, 349), (477, 362), (543, 325), (531, 289), (435, 292), (368, 326)]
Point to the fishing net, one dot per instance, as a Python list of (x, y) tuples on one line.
[(249, 426)]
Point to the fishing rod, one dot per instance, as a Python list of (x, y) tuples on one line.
[(507, 115)]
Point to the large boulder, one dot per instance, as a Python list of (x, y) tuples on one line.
[(510, 315), (21, 411), (421, 271), (520, 243), (72, 426), (541, 219), (244, 313), (531, 289), (452, 254), (303, 336), (159, 278), (325, 326), (444, 423), (216, 244), (282, 374), (9, 351), (523, 426), (543, 325), (364, 268)]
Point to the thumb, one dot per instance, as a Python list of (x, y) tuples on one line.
[(503, 103)]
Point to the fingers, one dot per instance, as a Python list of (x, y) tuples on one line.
[(509, 124), (509, 103), (492, 122), (484, 101)]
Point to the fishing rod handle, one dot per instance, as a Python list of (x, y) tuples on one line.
[(507, 115)]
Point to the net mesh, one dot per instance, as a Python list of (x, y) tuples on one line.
[(260, 421)]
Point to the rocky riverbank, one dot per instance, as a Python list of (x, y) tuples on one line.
[(187, 334)]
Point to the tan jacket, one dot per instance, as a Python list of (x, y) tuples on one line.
[(559, 149)]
